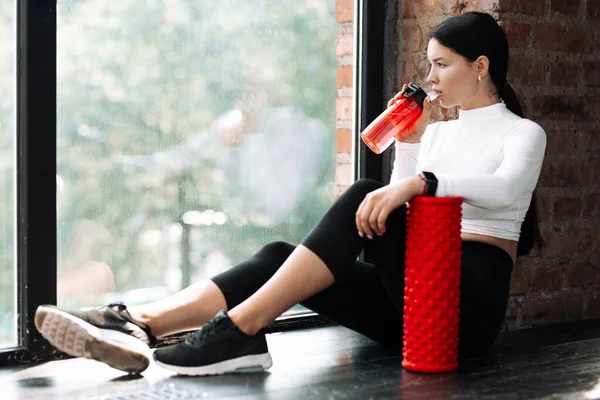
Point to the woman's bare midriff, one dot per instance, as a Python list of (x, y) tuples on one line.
[(510, 246)]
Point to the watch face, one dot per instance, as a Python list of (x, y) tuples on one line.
[(429, 176)]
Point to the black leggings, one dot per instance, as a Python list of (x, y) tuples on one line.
[(369, 298)]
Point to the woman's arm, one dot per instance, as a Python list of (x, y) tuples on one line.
[(523, 156), (405, 163)]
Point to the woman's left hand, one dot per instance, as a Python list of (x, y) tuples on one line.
[(373, 212)]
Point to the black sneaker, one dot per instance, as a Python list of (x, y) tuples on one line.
[(218, 347), (107, 334)]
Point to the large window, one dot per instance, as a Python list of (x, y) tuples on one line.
[(183, 137), (190, 134), (8, 306)]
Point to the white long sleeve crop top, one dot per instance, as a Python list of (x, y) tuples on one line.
[(490, 157)]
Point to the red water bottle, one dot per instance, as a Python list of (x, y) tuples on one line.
[(398, 117), (432, 284)]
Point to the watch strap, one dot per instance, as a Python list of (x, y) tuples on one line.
[(431, 183)]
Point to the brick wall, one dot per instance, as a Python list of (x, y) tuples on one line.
[(344, 175), (555, 70)]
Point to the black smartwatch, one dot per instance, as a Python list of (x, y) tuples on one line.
[(431, 183)]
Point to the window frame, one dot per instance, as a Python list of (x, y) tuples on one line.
[(36, 219)]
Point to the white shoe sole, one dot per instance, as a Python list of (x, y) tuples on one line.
[(77, 338), (252, 363)]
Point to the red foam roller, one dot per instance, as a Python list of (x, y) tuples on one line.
[(432, 284)]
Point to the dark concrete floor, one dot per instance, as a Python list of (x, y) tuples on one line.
[(336, 363)]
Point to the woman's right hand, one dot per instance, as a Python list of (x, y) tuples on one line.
[(415, 133)]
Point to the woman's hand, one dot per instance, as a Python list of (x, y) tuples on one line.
[(373, 212), (415, 133)]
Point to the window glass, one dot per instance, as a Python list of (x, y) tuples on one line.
[(190, 134)]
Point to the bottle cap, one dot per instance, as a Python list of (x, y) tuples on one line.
[(416, 92)]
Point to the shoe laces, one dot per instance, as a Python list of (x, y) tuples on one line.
[(121, 309), (118, 306), (209, 328)]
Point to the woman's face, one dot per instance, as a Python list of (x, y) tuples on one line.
[(454, 77)]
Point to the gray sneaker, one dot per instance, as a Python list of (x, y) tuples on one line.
[(107, 334)]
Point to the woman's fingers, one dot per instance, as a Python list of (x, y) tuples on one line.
[(382, 219), (400, 93), (357, 219), (371, 215), (374, 219), (362, 215), (366, 226), (371, 218), (397, 96)]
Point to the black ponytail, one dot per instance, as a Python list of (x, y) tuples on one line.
[(474, 34), (508, 95), (530, 231)]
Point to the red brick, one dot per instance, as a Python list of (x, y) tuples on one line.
[(520, 280), (480, 5), (408, 71), (412, 39), (344, 45), (564, 73), (344, 10), (591, 206), (590, 41), (412, 72), (343, 108), (343, 140), (573, 142), (566, 208), (567, 240), (593, 307), (591, 73), (546, 37), (559, 142), (518, 71), (343, 174), (582, 142), (545, 206), (409, 10), (554, 173), (427, 27), (428, 8), (580, 274), (524, 72), (517, 33), (565, 7), (572, 172), (344, 76), (562, 108), (590, 174), (522, 7), (573, 39), (547, 279), (550, 311), (590, 141), (592, 108), (596, 40), (538, 71), (560, 38), (523, 100), (593, 9)]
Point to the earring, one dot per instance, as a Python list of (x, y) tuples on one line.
[(479, 78)]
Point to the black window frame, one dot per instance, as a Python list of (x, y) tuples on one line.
[(36, 220)]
